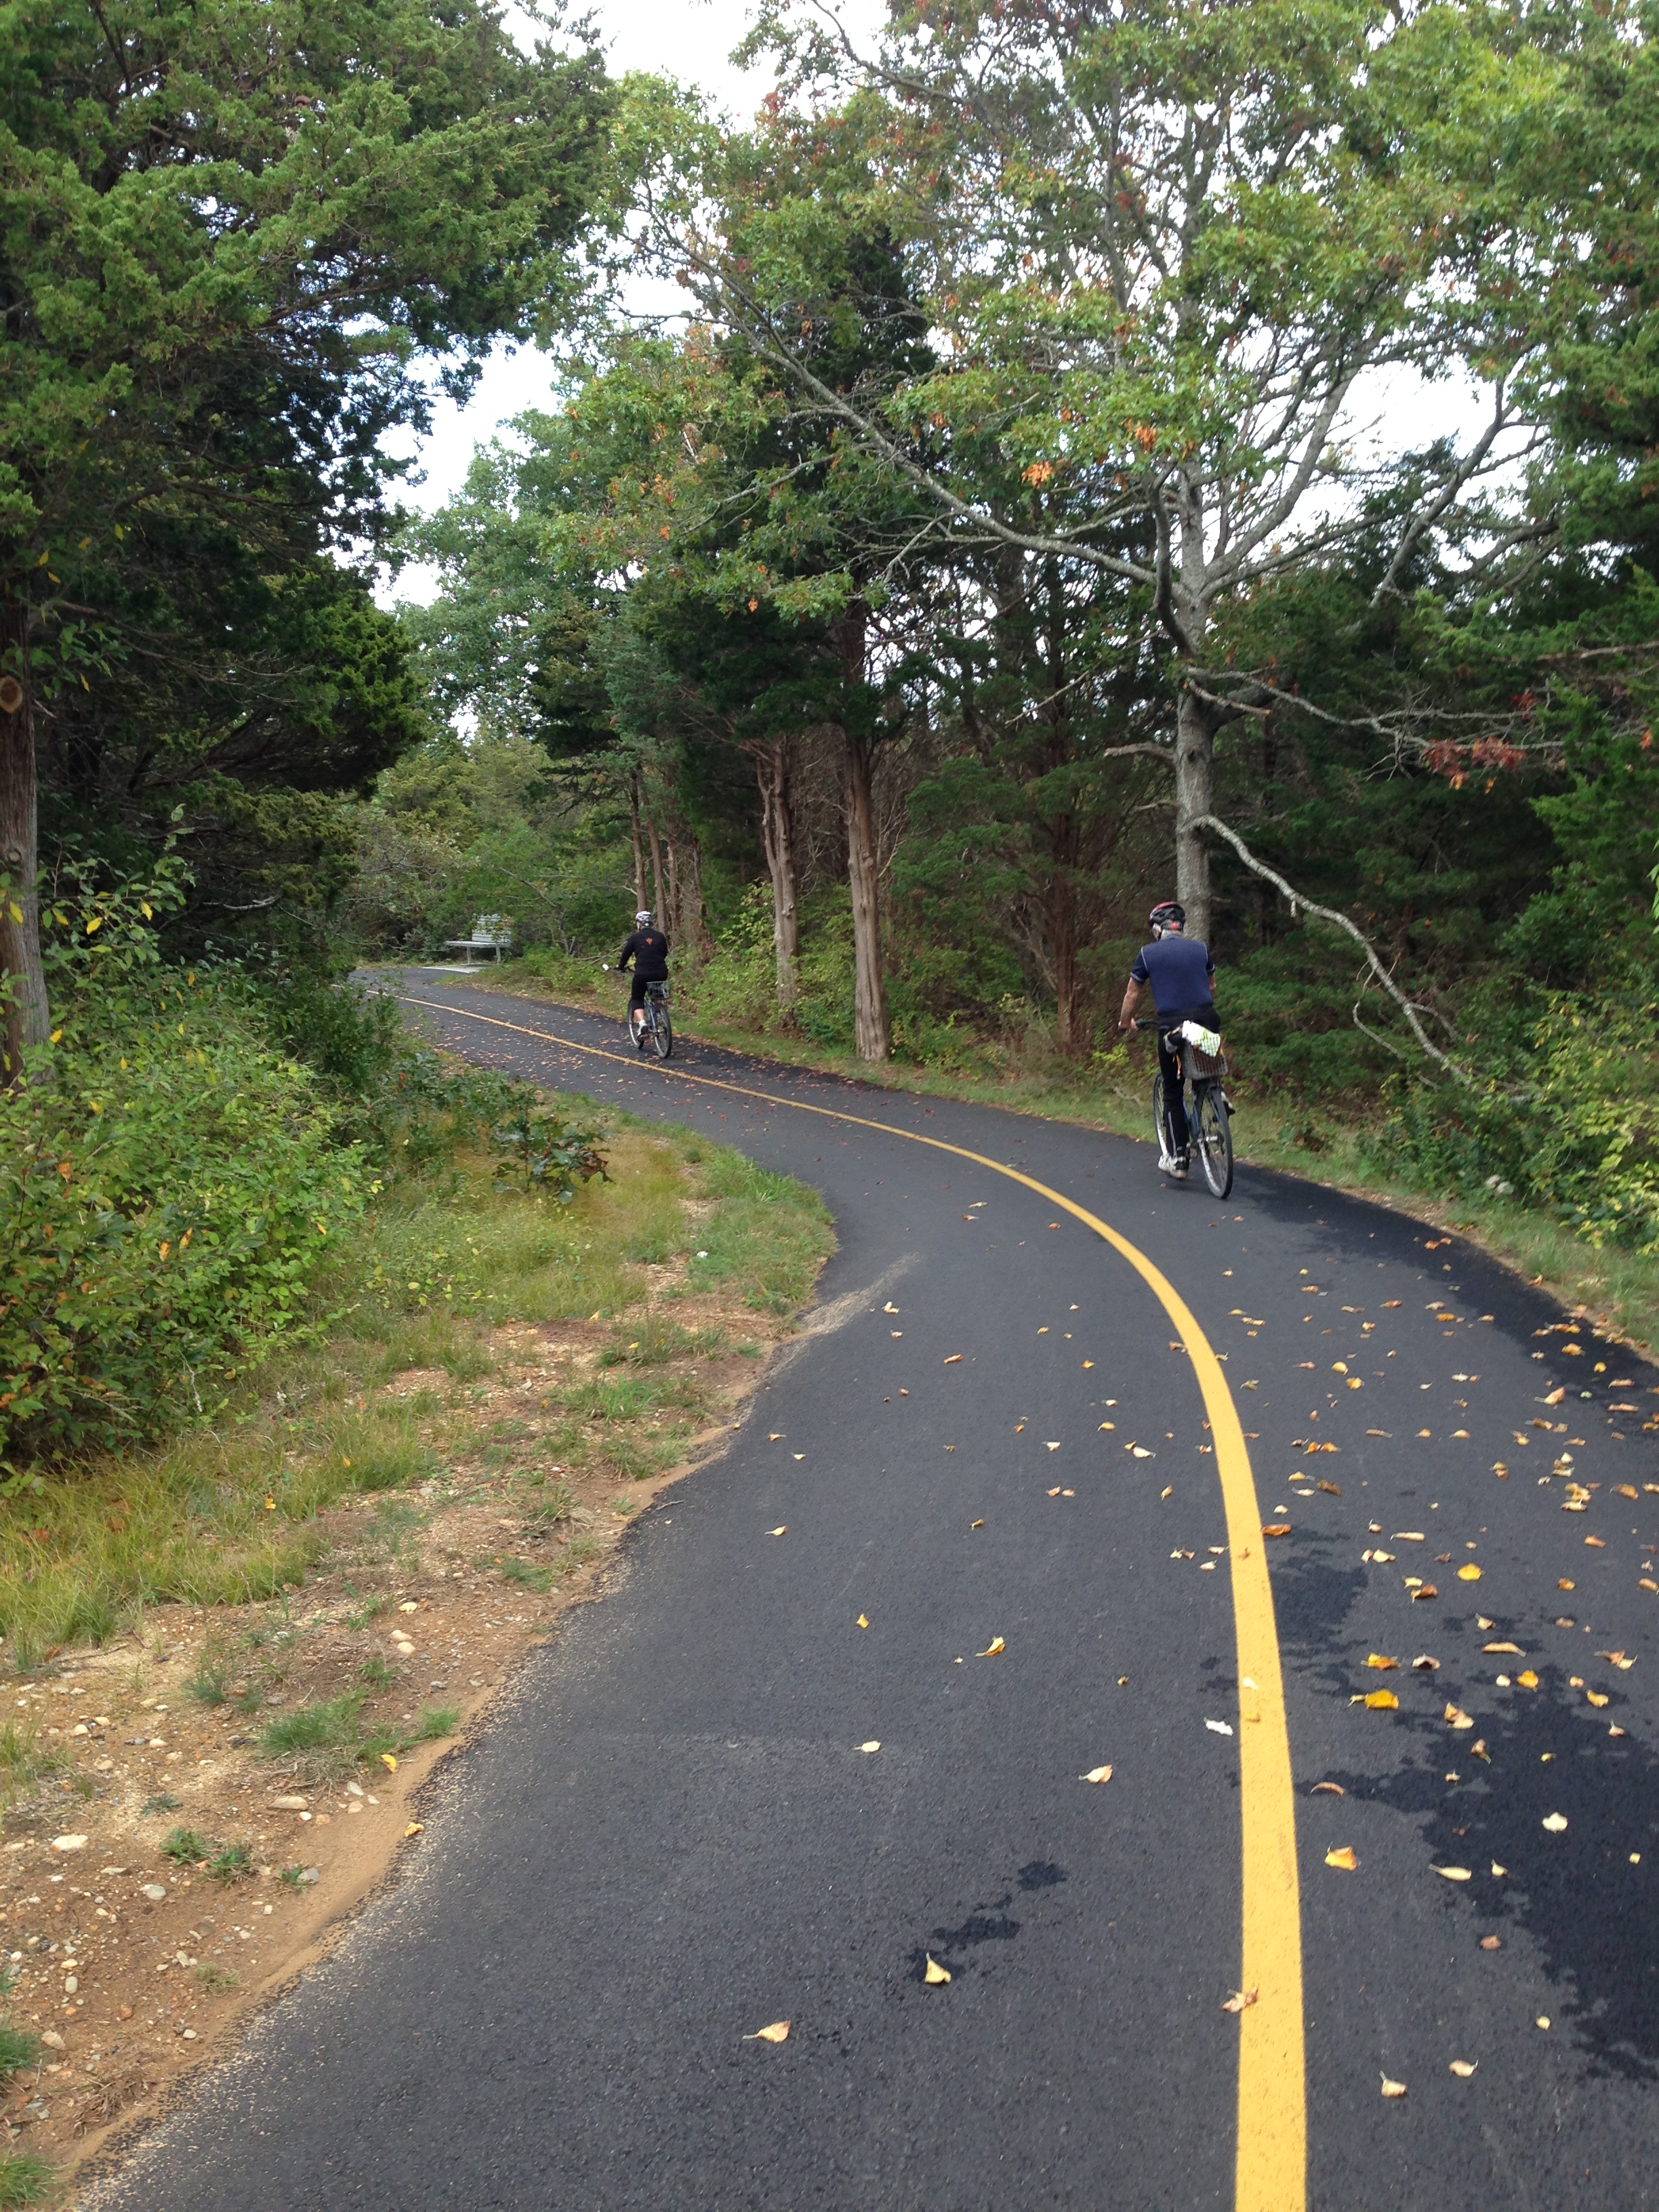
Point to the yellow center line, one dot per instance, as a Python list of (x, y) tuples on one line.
[(1272, 2157)]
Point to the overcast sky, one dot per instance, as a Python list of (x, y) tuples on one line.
[(690, 40)]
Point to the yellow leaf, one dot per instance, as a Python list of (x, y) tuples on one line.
[(414, 1829), (1469, 1574), (1515, 1648), (1380, 1662), (1240, 2001), (93, 927), (975, 1524), (1393, 2088), (862, 1621), (782, 1529), (1595, 1697), (992, 1649), (1335, 1788), (1277, 1528), (936, 1974), (1463, 2068), (1564, 1584), (1528, 1681), (1454, 1718), (388, 1762), (1097, 1774), (955, 1360), (1555, 1822), (1452, 1873), (778, 2032), (874, 1744), (1383, 1701), (1347, 1858)]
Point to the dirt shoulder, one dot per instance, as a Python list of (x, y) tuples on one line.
[(216, 1793)]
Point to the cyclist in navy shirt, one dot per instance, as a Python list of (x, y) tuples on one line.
[(1181, 974)]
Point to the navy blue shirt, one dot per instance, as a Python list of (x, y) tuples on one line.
[(1179, 970)]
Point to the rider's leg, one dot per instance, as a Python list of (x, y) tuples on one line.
[(1174, 1106), (636, 1009)]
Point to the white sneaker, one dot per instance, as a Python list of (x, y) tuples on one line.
[(1178, 1168)]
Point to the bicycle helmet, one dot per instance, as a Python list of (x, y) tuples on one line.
[(641, 920), (1162, 915)]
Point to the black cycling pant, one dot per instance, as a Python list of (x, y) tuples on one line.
[(638, 986), (1175, 1104)]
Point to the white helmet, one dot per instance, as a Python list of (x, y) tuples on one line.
[(642, 917)]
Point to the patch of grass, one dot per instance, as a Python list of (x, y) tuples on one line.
[(24, 1761), (375, 1673), (207, 1685), (185, 1846), (24, 2180), (161, 1804), (520, 1571), (292, 1877), (214, 1978), (433, 1722), (578, 1551), (231, 1863), (329, 1725), (554, 1503), (18, 2049)]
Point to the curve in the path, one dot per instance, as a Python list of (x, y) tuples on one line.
[(670, 1836)]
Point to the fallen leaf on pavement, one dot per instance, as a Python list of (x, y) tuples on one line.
[(1469, 1574), (1513, 1648), (862, 1621), (874, 1744), (414, 1829), (1347, 1858), (1330, 1489), (1564, 1584), (1381, 1662), (1426, 1589), (1528, 1679), (890, 1307), (1383, 1701), (1491, 1942), (953, 1360), (936, 1974), (1499, 1872), (1220, 1728), (1334, 1789), (1240, 2001), (1452, 1873), (1617, 1659), (992, 1649), (975, 1524), (1456, 1717), (1427, 1665), (778, 2032), (1393, 2088), (781, 1530), (1555, 1822), (1483, 1624), (1055, 1446), (1477, 1750), (1277, 1528), (1055, 1493), (1097, 1774), (1556, 1396), (1596, 1698), (1464, 2067), (1141, 1452)]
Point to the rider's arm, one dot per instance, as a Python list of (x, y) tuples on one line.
[(625, 956), (1131, 1000)]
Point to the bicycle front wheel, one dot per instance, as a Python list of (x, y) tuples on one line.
[(1213, 1135), (1160, 1117), (663, 1034)]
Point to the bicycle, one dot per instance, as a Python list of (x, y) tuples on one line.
[(1209, 1117), (654, 1025)]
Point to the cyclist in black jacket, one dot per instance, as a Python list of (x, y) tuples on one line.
[(648, 948)]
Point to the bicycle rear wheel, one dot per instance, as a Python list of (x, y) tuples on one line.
[(1213, 1136), (662, 1034)]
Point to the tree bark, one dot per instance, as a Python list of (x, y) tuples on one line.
[(1194, 777), (639, 850), (864, 873), (775, 771), (685, 872), (870, 1033), (27, 1021), (670, 914), (659, 910)]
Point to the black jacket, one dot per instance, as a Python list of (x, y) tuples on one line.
[(648, 950)]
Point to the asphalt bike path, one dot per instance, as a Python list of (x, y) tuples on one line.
[(1076, 1469)]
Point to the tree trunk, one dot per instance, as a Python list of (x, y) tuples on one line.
[(863, 858), (659, 910), (639, 850), (863, 870), (670, 914), (1068, 993), (775, 772), (685, 867), (26, 1019), (1194, 769)]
